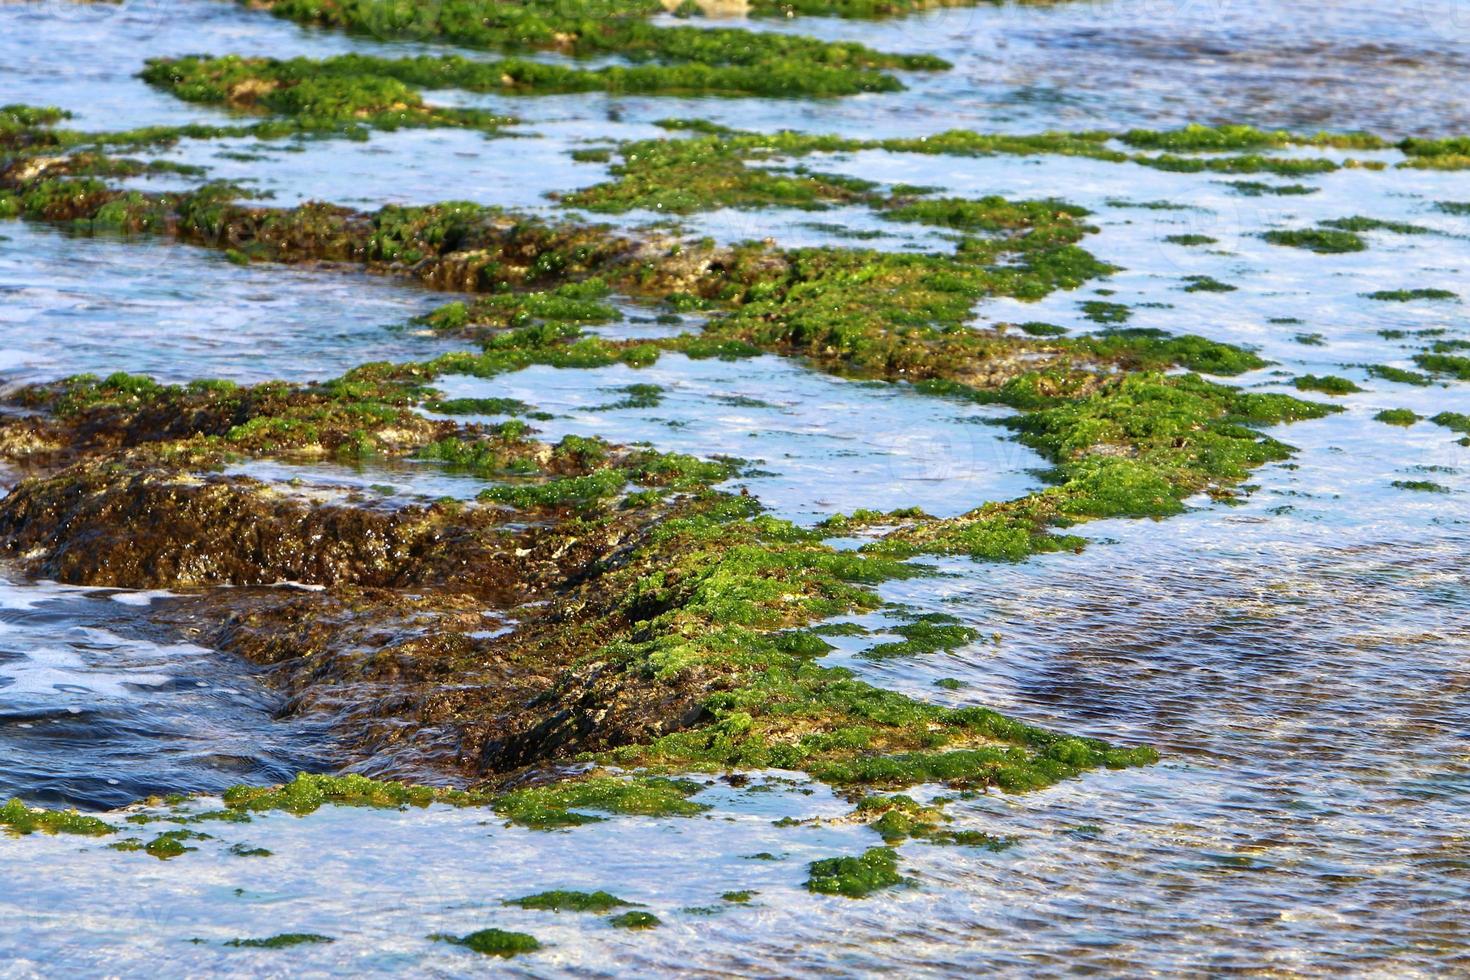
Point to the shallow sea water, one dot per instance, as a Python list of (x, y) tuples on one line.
[(1301, 660), (73, 304)]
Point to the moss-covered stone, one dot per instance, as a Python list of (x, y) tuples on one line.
[(635, 920), (660, 628), (855, 877), (569, 901), (493, 942)]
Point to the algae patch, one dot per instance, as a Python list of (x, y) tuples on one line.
[(855, 877), (493, 942)]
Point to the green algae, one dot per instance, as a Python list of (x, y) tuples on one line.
[(690, 58), (714, 169), (482, 406), (1119, 202), (897, 818), (739, 897), (1319, 240), (315, 95), (1457, 208), (1207, 284), (1450, 364), (309, 792), (929, 633), (855, 877), (635, 920), (493, 942), (987, 214), (576, 303), (1256, 188), (384, 92), (972, 838), (1358, 223), (1398, 416), (166, 846), (634, 396), (1408, 295), (1190, 240), (1328, 384), (863, 9), (561, 805), (1389, 373), (285, 940), (1452, 153), (1196, 138), (1454, 421), (569, 901), (1420, 486), (705, 589), (573, 491), (1102, 311), (1035, 329), (19, 819)]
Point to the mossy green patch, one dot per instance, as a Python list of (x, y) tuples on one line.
[(572, 491), (1359, 223), (1256, 188), (308, 792), (688, 56), (493, 942), (166, 846), (1450, 364), (1196, 138), (565, 804), (1207, 284), (634, 396), (972, 838), (283, 941), (1324, 241), (1389, 373), (1102, 311), (635, 920), (1408, 295), (1398, 416), (1328, 384), (1035, 329), (17, 818), (1421, 486), (570, 901), (1454, 421), (855, 877), (929, 633)]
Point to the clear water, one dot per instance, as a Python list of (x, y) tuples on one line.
[(96, 710), (1300, 660), (73, 304)]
